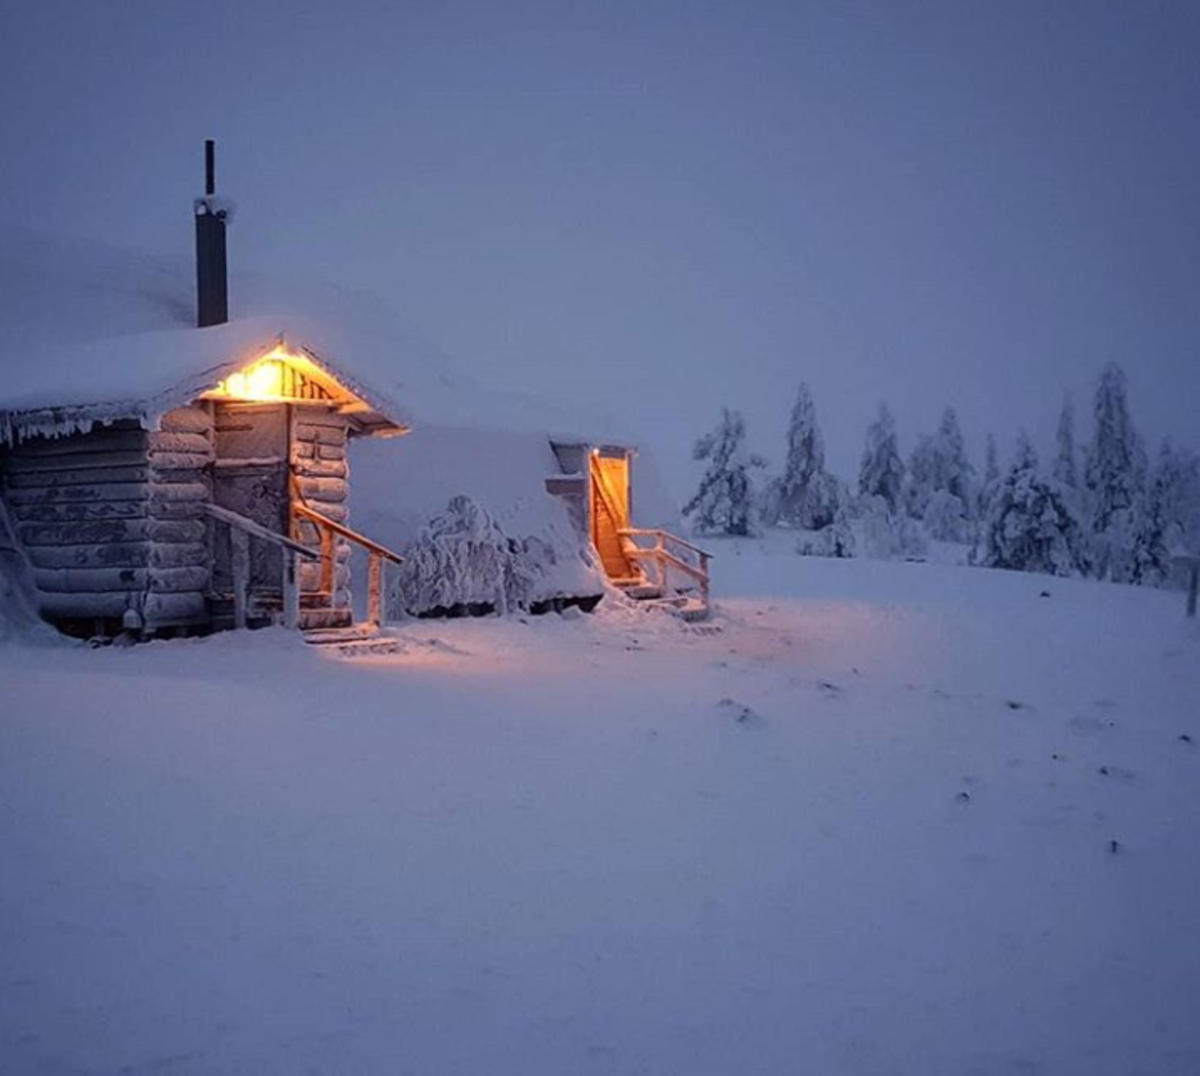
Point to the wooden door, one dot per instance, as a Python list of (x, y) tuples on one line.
[(610, 512), (250, 477)]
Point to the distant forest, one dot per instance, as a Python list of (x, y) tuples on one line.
[(1103, 509)]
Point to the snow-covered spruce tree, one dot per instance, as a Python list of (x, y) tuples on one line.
[(1155, 522), (991, 479), (1184, 533), (1064, 471), (805, 495), (462, 561), (922, 475), (726, 502), (958, 477), (881, 473), (939, 475), (1116, 467), (1031, 524)]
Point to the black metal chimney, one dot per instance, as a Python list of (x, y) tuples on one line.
[(212, 285)]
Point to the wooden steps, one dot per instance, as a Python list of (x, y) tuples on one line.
[(354, 641)]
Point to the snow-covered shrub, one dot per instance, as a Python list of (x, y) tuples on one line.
[(462, 561), (883, 534), (837, 539), (1032, 525), (881, 472), (726, 502), (946, 518)]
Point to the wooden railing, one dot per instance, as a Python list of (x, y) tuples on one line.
[(242, 531), (666, 556), (329, 530)]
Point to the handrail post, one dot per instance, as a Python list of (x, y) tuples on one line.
[(704, 583), (239, 542), (327, 553), (375, 591), (1193, 587), (291, 589)]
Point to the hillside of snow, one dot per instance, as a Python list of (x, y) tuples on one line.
[(875, 819)]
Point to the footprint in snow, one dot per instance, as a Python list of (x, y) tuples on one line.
[(1119, 773), (739, 712)]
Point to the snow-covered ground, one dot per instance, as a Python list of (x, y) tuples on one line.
[(865, 827)]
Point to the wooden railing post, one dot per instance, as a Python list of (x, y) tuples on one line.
[(375, 591), (291, 589), (327, 554), (705, 582), (239, 544), (1193, 587)]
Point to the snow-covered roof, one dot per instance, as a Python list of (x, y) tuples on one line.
[(63, 389), (84, 323)]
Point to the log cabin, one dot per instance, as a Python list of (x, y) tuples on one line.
[(221, 500), (189, 480)]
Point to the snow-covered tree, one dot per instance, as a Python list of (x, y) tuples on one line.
[(1031, 524), (1064, 471), (461, 561), (1116, 467), (805, 495), (881, 473), (1154, 522), (726, 502), (991, 479), (939, 471), (958, 474)]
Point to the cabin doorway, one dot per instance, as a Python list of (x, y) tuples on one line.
[(250, 477), (609, 511)]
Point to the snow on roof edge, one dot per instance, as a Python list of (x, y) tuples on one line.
[(49, 419)]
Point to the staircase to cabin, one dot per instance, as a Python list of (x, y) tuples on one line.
[(660, 559), (314, 612), (652, 566)]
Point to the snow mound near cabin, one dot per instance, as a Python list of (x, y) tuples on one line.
[(463, 561), (399, 488)]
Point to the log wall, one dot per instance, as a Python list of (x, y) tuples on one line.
[(81, 509), (179, 570)]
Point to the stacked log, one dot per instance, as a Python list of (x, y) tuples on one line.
[(178, 576)]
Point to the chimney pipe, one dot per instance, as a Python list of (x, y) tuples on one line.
[(212, 286)]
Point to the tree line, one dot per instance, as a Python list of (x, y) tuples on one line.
[(1102, 508)]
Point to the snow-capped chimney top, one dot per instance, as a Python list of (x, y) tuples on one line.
[(212, 214)]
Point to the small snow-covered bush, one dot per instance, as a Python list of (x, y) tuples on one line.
[(463, 561), (946, 518), (884, 534), (835, 540)]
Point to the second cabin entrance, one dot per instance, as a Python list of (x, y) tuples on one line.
[(250, 477), (610, 511)]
